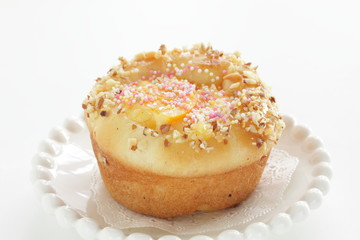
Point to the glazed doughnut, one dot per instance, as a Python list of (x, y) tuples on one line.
[(182, 130)]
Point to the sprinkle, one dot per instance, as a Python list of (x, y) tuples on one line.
[(223, 71), (182, 65), (133, 126), (199, 70), (206, 70)]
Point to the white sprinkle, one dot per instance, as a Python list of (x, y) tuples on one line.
[(211, 74), (169, 64), (192, 68), (199, 70), (182, 65), (212, 80), (190, 62), (154, 72), (206, 70), (217, 78)]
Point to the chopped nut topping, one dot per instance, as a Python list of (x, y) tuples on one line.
[(145, 131), (233, 96), (162, 49), (100, 103), (103, 113), (234, 112), (233, 77), (165, 128), (154, 133), (166, 143), (272, 99), (132, 143), (259, 142)]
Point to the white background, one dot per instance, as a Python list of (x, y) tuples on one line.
[(50, 53)]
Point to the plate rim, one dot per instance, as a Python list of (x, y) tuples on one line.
[(88, 228)]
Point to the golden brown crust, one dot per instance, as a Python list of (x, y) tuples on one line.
[(166, 196)]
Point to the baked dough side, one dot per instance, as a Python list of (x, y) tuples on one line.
[(166, 196)]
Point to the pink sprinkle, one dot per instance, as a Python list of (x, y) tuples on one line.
[(223, 71), (184, 70), (171, 76), (197, 67), (224, 119), (215, 109), (141, 102), (143, 77), (117, 96), (188, 66), (129, 103), (172, 72), (250, 117), (231, 107), (151, 71), (212, 115), (150, 78)]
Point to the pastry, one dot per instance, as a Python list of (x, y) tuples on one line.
[(181, 131)]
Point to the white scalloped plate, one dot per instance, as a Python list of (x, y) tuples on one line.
[(57, 181)]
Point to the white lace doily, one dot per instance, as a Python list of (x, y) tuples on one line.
[(268, 194)]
